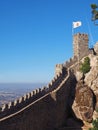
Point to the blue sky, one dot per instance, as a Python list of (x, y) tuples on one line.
[(35, 35)]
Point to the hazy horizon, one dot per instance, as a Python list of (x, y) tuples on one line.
[(12, 91)]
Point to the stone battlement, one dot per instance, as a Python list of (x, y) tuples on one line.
[(58, 69), (70, 62), (46, 107), (20, 103), (79, 35), (81, 49)]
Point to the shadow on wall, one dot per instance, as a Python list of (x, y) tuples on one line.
[(72, 121)]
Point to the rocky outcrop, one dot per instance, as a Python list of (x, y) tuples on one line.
[(86, 95), (91, 78), (93, 73), (79, 75), (83, 103), (96, 47), (94, 87)]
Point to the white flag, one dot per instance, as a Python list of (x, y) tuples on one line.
[(77, 24)]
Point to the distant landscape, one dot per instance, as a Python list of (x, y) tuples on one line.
[(12, 91)]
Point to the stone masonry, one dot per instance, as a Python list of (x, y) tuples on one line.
[(46, 108)]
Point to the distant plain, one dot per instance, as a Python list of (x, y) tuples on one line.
[(12, 91)]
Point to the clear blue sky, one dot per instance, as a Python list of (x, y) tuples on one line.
[(35, 35)]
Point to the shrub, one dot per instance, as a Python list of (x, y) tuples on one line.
[(85, 67), (95, 125)]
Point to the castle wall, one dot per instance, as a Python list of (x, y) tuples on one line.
[(46, 113), (28, 98), (70, 62), (45, 108), (58, 69)]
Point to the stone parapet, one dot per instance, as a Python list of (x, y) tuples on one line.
[(26, 99)]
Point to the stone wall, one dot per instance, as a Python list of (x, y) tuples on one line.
[(28, 98), (46, 113), (58, 69), (45, 108), (70, 62)]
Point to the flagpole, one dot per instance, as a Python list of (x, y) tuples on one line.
[(72, 36), (72, 29), (75, 25), (91, 37)]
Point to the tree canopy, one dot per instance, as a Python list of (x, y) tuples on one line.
[(94, 13)]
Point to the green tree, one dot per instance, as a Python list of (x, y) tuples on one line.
[(94, 13), (85, 67)]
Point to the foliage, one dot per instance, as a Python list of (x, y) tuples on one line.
[(85, 67), (94, 12), (94, 6), (96, 109), (95, 125)]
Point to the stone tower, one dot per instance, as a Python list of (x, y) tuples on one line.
[(80, 48), (80, 45)]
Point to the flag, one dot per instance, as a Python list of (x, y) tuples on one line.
[(77, 24)]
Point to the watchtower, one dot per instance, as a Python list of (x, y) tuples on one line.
[(80, 45)]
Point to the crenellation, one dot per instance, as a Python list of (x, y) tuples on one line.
[(51, 82), (37, 91), (5, 107), (59, 74), (49, 85), (27, 96), (24, 97), (80, 41), (36, 110), (21, 99), (70, 60), (46, 89), (15, 102), (22, 104), (66, 63), (31, 93), (58, 69), (43, 90), (56, 77), (10, 104), (34, 92)]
